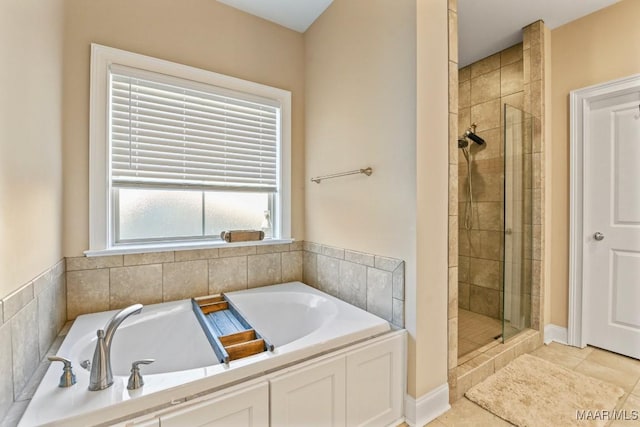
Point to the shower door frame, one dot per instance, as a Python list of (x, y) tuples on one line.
[(516, 184)]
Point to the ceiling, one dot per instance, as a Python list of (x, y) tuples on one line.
[(489, 26), (484, 26), (297, 15)]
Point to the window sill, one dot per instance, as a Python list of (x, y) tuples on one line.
[(167, 247)]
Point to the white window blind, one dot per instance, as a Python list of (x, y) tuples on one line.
[(170, 132)]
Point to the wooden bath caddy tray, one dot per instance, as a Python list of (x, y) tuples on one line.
[(228, 332)]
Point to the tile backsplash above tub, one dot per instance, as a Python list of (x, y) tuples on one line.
[(371, 282), (112, 282), (368, 281), (30, 319)]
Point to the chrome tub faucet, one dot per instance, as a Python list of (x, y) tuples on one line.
[(101, 375)]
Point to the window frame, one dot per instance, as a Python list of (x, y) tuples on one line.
[(101, 221)]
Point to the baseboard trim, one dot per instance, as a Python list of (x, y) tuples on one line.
[(555, 333), (427, 408)]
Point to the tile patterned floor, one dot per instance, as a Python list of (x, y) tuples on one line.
[(604, 365)]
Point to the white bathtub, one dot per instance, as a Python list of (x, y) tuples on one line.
[(298, 320)]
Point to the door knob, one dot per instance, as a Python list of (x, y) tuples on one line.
[(598, 236)]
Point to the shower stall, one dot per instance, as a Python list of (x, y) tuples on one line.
[(495, 231)]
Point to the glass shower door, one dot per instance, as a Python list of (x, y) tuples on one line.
[(518, 221)]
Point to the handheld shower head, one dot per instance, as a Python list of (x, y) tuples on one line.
[(470, 133), (475, 138)]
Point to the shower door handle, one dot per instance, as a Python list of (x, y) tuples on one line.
[(598, 236)]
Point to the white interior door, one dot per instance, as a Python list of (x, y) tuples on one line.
[(611, 227)]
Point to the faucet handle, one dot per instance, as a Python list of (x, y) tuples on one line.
[(135, 379), (137, 363), (68, 378)]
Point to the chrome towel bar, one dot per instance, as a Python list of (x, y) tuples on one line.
[(367, 171)]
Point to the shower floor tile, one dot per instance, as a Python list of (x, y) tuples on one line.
[(475, 331)]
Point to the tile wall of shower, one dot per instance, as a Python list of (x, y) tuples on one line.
[(484, 87)]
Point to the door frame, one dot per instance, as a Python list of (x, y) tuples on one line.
[(580, 105)]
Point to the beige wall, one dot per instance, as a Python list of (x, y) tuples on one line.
[(591, 50), (361, 110), (30, 139), (432, 195), (200, 33)]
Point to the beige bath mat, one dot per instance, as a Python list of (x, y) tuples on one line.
[(531, 392)]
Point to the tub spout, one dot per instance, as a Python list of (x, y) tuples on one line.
[(101, 375)]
